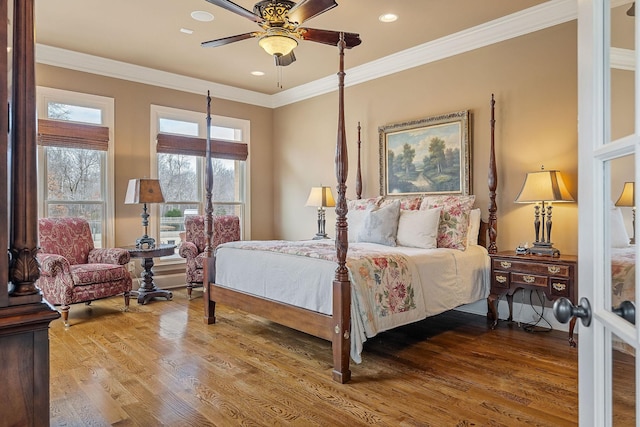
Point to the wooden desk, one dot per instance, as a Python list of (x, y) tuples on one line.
[(556, 277), (148, 288)]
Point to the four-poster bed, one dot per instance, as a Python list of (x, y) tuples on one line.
[(335, 322)]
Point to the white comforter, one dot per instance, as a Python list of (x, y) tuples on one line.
[(442, 279)]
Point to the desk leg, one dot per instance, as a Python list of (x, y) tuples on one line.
[(492, 313), (148, 289), (572, 324)]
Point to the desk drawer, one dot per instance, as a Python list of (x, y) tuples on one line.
[(557, 270), (500, 279), (528, 279), (559, 287)]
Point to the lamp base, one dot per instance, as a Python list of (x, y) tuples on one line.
[(544, 249), (319, 236), (145, 242)]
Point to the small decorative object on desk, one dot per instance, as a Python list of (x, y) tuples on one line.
[(522, 249)]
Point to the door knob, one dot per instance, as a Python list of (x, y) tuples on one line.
[(626, 310), (564, 310)]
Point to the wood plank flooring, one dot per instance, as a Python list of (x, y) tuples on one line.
[(158, 364)]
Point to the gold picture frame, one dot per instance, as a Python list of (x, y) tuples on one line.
[(427, 156)]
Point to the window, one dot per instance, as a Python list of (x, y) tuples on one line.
[(75, 159), (179, 148)]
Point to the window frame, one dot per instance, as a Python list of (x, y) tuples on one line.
[(45, 95), (163, 112)]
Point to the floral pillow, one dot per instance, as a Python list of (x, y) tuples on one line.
[(407, 203), (454, 219), (363, 204)]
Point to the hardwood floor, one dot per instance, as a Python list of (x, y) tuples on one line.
[(159, 364)]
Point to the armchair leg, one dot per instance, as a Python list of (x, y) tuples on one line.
[(65, 315), (189, 289), (126, 301)]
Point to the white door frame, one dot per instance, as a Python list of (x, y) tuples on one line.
[(594, 272)]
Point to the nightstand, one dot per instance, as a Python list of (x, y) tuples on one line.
[(555, 276)]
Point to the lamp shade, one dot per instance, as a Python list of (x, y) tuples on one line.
[(544, 186), (320, 197), (143, 191), (628, 196), (278, 45)]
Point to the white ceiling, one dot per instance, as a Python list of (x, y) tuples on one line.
[(147, 33)]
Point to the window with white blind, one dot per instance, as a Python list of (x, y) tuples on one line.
[(75, 159), (179, 148)]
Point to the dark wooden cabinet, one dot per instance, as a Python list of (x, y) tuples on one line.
[(555, 276), (24, 314)]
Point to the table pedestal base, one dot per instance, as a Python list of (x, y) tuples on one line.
[(148, 289)]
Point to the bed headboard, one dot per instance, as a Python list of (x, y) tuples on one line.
[(488, 229)]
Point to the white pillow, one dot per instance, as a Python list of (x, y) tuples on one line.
[(474, 227), (419, 229), (355, 219), (619, 236), (381, 225)]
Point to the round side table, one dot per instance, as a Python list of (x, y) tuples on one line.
[(148, 289)]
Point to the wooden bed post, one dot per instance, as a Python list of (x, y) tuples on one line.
[(359, 170), (341, 341), (493, 184), (208, 273)]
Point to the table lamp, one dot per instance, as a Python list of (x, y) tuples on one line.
[(321, 197), (628, 199), (543, 187), (144, 191)]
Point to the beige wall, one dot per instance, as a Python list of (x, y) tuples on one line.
[(533, 77), (132, 136), (535, 85)]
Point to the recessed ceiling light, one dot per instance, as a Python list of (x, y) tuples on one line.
[(200, 15), (387, 17), (186, 31), (258, 73)]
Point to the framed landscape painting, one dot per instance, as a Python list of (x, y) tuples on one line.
[(427, 156)]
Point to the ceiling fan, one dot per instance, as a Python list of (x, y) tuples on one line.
[(280, 21)]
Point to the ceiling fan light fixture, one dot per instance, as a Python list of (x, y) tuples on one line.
[(277, 44)]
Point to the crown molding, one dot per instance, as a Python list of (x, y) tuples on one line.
[(121, 70), (517, 24), (545, 15)]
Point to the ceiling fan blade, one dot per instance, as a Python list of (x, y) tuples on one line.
[(330, 37), (284, 60), (227, 40), (307, 9), (232, 7)]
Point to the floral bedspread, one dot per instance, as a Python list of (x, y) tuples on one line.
[(384, 291)]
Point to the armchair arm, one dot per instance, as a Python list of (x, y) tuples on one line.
[(188, 250), (51, 264), (109, 256)]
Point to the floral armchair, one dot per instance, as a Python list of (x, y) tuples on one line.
[(73, 271), (226, 228)]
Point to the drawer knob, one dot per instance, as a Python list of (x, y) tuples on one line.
[(501, 279), (529, 279), (553, 269), (505, 264), (559, 286)]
